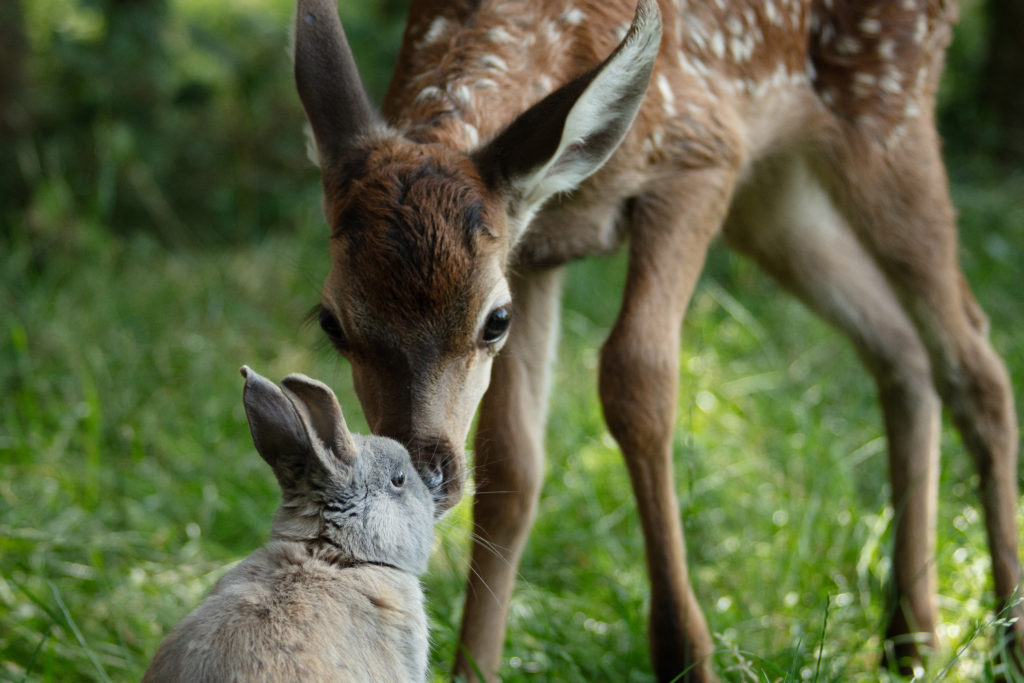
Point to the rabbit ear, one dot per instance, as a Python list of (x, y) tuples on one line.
[(276, 427), (321, 414)]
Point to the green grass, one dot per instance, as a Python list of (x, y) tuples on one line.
[(128, 482)]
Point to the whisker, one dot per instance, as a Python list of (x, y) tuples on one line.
[(485, 584)]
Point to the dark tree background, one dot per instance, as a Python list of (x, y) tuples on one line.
[(1002, 82), (180, 122)]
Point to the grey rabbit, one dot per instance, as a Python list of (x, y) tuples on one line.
[(335, 593)]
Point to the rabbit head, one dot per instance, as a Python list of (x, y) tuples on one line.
[(360, 495)]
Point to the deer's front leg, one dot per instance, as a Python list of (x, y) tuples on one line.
[(639, 382), (508, 468)]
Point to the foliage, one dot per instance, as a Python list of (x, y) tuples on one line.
[(128, 481), (178, 118)]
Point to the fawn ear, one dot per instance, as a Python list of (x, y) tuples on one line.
[(556, 144), (328, 81), (321, 414)]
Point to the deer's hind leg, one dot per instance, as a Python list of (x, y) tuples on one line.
[(898, 195), (786, 220)]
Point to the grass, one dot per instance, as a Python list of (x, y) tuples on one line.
[(128, 482)]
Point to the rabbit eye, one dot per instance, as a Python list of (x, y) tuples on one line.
[(398, 480)]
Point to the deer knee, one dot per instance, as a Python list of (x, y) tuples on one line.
[(638, 385), (895, 354), (980, 400)]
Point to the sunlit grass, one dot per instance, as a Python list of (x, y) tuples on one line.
[(128, 482)]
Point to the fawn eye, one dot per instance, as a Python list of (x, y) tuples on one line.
[(330, 325), (497, 325), (398, 479)]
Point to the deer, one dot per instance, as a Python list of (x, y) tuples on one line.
[(517, 136)]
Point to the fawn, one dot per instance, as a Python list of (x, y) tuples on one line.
[(519, 135)]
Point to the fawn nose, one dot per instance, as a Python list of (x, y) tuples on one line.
[(440, 467), (433, 477)]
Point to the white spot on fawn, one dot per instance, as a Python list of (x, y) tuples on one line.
[(437, 29), (863, 84), (493, 62), (551, 32), (718, 44), (809, 67), (847, 45), (472, 134), (428, 93), (886, 49), (696, 36), (668, 99), (734, 25), (828, 31), (920, 29), (741, 49), (499, 35), (653, 142), (889, 84), (460, 96), (573, 15), (870, 26)]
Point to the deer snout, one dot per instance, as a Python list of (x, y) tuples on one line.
[(441, 466)]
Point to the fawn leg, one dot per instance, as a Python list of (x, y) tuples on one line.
[(508, 468), (786, 220), (906, 219), (639, 377)]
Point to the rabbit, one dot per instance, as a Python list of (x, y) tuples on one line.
[(335, 593)]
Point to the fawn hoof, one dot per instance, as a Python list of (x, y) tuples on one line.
[(904, 653)]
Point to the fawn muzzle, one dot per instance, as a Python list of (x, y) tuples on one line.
[(441, 466)]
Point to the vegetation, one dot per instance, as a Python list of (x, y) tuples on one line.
[(160, 227)]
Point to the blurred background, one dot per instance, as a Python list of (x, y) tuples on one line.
[(177, 118), (160, 226)]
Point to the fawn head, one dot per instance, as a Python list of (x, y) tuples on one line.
[(417, 298)]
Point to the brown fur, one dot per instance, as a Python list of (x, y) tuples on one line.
[(801, 130)]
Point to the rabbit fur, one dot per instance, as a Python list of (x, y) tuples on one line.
[(335, 594)]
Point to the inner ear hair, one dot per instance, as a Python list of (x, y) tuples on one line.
[(561, 140), (321, 414)]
